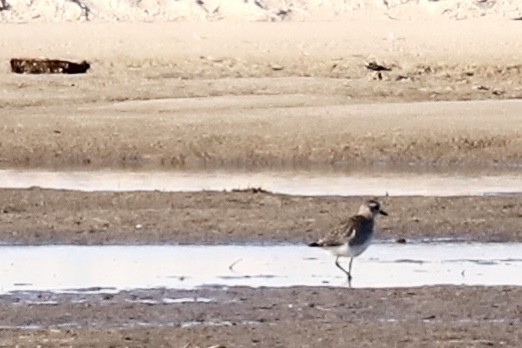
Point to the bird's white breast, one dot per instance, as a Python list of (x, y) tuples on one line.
[(346, 250)]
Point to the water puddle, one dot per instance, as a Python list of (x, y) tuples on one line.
[(292, 183), (135, 324), (168, 300), (106, 269)]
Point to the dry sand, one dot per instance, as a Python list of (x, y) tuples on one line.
[(258, 95), (17, 11), (278, 95)]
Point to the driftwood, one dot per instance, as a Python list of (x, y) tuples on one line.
[(47, 66)]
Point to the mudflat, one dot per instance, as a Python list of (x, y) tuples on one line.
[(444, 316), (37, 216)]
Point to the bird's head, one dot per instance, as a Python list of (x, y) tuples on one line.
[(371, 208)]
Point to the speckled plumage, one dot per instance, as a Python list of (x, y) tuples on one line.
[(355, 230), (352, 236)]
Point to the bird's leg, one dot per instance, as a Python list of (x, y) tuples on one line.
[(342, 269), (350, 268)]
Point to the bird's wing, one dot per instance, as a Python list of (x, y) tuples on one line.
[(342, 233)]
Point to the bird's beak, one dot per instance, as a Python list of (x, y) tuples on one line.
[(382, 212)]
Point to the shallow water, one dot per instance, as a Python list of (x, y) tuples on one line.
[(292, 183), (94, 269)]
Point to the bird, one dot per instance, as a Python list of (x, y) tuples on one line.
[(352, 236)]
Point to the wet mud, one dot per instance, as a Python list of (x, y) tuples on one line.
[(38, 216), (246, 317)]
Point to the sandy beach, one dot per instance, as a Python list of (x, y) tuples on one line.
[(243, 95), (253, 98)]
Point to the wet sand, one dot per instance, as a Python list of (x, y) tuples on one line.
[(245, 96), (37, 216), (292, 317)]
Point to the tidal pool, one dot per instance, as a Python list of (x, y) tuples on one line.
[(94, 269), (292, 183)]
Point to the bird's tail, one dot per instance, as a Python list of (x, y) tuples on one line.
[(316, 244)]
